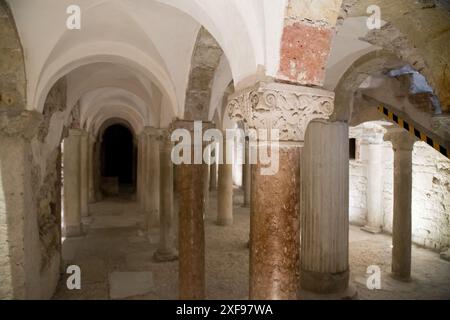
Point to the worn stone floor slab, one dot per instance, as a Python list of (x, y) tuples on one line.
[(129, 284)]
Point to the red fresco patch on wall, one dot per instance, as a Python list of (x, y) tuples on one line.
[(304, 54)]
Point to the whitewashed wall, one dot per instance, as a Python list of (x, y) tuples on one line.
[(430, 194)]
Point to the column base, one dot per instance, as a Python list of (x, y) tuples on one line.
[(401, 278), (370, 229), (165, 256), (73, 231), (324, 283), (348, 294)]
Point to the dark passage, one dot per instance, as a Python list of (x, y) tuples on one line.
[(118, 160)]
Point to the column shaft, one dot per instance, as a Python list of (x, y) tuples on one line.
[(374, 188), (247, 175), (166, 250), (324, 218), (402, 143), (72, 184), (191, 233), (213, 177), (91, 170), (84, 174), (151, 189), (225, 192), (274, 228)]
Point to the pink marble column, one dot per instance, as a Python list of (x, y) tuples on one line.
[(275, 193), (191, 233)]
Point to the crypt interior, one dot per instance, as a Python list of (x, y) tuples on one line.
[(87, 177)]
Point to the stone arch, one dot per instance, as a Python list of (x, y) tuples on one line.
[(430, 54), (205, 60), (355, 75)]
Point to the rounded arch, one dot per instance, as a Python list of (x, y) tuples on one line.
[(117, 53), (110, 121), (127, 113), (355, 75)]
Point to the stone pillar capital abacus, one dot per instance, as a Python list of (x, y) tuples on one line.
[(400, 139), (150, 131), (288, 108)]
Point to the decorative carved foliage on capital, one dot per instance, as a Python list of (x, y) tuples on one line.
[(284, 107)]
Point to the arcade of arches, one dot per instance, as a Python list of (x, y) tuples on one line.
[(87, 179)]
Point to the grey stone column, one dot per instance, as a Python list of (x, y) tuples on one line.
[(72, 183), (140, 172), (166, 250), (402, 144), (225, 191), (213, 176), (91, 170), (325, 204), (19, 237), (206, 185), (151, 180), (275, 193), (84, 173)]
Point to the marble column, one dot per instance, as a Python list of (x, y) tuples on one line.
[(275, 194), (84, 173), (374, 183), (191, 234), (166, 250), (151, 172), (247, 174), (72, 183), (402, 144), (225, 191), (325, 204)]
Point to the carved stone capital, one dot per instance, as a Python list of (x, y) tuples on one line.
[(288, 108), (401, 139)]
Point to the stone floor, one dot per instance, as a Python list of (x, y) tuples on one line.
[(115, 258)]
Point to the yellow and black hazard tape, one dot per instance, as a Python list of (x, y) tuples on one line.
[(414, 131)]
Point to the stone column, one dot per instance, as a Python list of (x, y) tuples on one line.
[(375, 181), (213, 176), (225, 190), (274, 218), (325, 203), (206, 184), (91, 170), (151, 173), (247, 174), (72, 183), (84, 173), (19, 236), (191, 234), (140, 173), (166, 250), (402, 144)]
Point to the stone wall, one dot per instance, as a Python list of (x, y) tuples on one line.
[(430, 194)]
